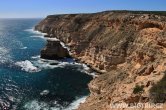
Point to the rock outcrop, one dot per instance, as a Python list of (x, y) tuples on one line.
[(54, 50), (128, 47)]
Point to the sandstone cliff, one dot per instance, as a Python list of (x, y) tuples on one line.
[(129, 48)]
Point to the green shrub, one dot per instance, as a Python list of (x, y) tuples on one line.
[(138, 89), (158, 91)]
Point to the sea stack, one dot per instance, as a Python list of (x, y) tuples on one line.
[(54, 50)]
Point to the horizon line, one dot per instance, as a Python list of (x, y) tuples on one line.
[(82, 13)]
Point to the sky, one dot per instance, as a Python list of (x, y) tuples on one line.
[(42, 8)]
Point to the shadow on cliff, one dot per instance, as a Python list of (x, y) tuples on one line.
[(158, 91)]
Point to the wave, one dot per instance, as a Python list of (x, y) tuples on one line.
[(36, 105), (46, 64), (44, 92), (51, 64), (38, 36), (31, 30), (74, 105), (35, 57), (87, 70), (24, 47), (27, 66), (52, 39), (64, 46), (4, 55)]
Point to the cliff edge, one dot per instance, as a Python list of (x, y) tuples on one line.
[(129, 48)]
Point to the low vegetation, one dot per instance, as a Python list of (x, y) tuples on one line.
[(138, 89), (158, 91)]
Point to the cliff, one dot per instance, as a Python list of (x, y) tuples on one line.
[(129, 48)]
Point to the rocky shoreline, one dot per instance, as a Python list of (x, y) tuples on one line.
[(129, 48)]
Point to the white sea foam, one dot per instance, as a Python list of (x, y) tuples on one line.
[(52, 64), (4, 55), (85, 69), (52, 39), (27, 66), (64, 46), (45, 64), (3, 51), (24, 47), (74, 105), (44, 92), (38, 36), (41, 35), (36, 105), (35, 57), (35, 32)]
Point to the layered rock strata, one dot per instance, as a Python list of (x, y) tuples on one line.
[(54, 50), (128, 47)]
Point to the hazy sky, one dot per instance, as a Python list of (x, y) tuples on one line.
[(42, 8)]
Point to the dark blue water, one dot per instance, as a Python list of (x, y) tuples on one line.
[(30, 83)]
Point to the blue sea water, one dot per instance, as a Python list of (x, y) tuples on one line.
[(30, 83)]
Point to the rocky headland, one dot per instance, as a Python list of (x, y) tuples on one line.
[(127, 48)]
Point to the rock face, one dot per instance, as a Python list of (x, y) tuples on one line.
[(54, 50), (128, 47)]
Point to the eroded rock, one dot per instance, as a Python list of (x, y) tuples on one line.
[(54, 50)]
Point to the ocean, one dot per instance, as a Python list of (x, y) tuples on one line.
[(28, 82)]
